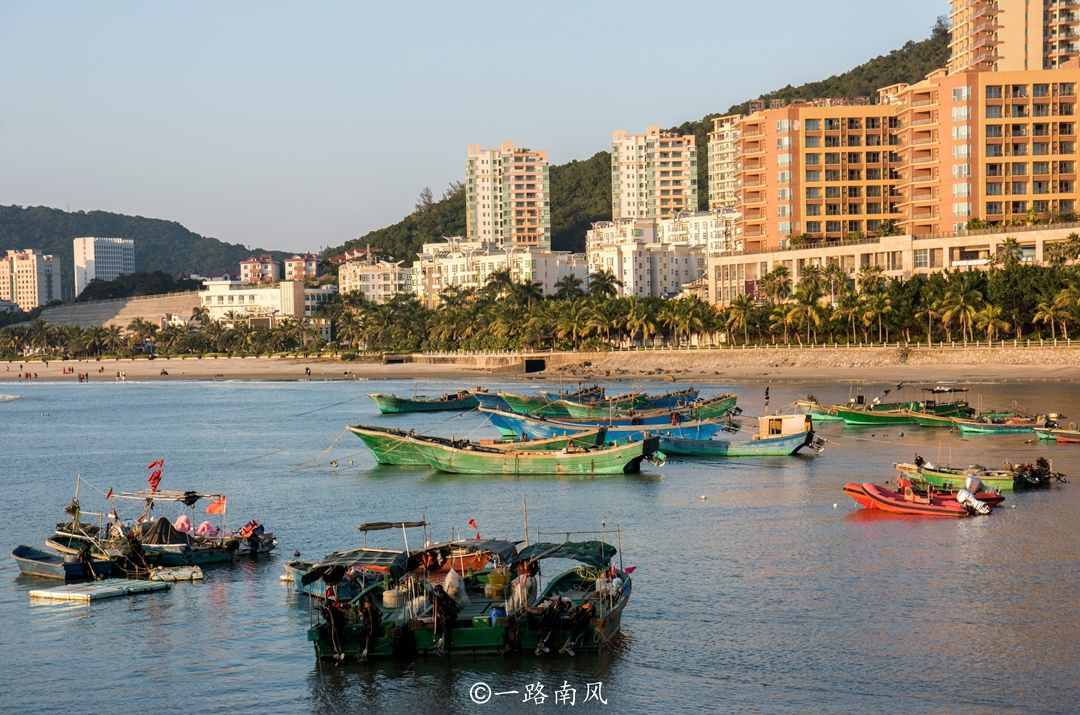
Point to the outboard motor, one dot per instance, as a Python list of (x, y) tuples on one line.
[(973, 505), (973, 484)]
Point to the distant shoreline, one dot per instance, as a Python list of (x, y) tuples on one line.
[(782, 364)]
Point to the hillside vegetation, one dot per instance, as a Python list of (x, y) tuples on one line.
[(581, 190), (159, 245)]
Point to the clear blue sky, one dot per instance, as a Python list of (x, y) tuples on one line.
[(301, 125)]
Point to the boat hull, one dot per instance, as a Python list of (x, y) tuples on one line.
[(513, 425), (990, 428), (624, 459), (722, 447), (393, 405), (42, 564), (871, 496), (1002, 481)]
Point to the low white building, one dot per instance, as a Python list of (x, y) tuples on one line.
[(378, 281), (463, 264), (716, 231), (236, 300)]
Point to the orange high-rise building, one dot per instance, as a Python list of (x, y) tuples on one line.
[(1007, 35)]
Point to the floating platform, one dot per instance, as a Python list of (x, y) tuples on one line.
[(99, 590)]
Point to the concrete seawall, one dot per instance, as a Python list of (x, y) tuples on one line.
[(122, 311)]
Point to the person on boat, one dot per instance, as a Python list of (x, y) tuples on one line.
[(579, 622), (371, 617), (446, 613), (551, 614)]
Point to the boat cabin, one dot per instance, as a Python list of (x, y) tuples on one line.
[(783, 425)]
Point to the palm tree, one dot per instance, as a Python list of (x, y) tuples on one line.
[(200, 314), (930, 311), (848, 308), (1048, 312), (740, 313), (807, 308), (990, 321), (836, 278), (604, 284), (777, 284), (1008, 254), (961, 303), (875, 307), (569, 286), (639, 321)]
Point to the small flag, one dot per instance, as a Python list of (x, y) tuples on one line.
[(108, 494), (217, 506), (630, 569), (156, 464), (473, 525), (154, 479)]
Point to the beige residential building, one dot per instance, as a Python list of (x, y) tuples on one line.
[(29, 279), (377, 281), (724, 163), (259, 269), (1009, 35), (463, 264), (301, 267), (631, 250), (507, 196), (715, 231), (898, 256), (653, 175)]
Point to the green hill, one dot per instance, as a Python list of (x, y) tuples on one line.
[(159, 245), (581, 190)]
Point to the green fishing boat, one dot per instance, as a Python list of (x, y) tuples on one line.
[(953, 478), (535, 406), (818, 411), (400, 448), (631, 401), (898, 413), (453, 402), (473, 458)]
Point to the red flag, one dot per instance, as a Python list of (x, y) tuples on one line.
[(154, 479), (156, 464), (108, 494), (473, 525), (217, 506)]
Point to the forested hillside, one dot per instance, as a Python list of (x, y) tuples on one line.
[(581, 190)]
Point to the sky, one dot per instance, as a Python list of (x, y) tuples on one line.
[(296, 126)]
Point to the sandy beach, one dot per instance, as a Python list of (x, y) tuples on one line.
[(762, 364)]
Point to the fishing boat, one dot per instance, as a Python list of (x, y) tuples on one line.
[(907, 502), (452, 402), (397, 447), (944, 477), (777, 436), (635, 401), (518, 426), (577, 610), (549, 404), (67, 568), (991, 497), (490, 400), (472, 458), (818, 411), (1058, 434), (904, 414), (713, 407), (1009, 425)]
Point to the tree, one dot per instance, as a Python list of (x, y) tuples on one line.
[(989, 320), (603, 284), (961, 303), (569, 286), (740, 313), (425, 200), (875, 307)]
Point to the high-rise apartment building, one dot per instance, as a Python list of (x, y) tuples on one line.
[(653, 175), (102, 259), (724, 163), (1008, 35), (507, 196), (819, 170), (29, 279)]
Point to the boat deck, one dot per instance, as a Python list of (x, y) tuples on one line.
[(98, 591)]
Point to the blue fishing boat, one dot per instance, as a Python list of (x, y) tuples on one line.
[(42, 564), (491, 401), (778, 436), (518, 426)]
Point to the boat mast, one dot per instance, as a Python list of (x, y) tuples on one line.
[(525, 512)]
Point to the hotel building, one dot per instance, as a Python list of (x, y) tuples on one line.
[(724, 163), (259, 269), (1009, 35), (29, 279), (378, 281), (507, 196), (102, 259), (463, 264), (653, 175)]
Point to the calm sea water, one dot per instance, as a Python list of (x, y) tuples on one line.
[(759, 586)]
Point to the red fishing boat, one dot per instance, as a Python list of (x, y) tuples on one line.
[(991, 497), (872, 496)]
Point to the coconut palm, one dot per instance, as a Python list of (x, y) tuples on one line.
[(1048, 312), (568, 286), (604, 284), (960, 304), (875, 307), (740, 313), (990, 321), (931, 311)]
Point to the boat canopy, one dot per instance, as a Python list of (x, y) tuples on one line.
[(592, 553), (505, 551), (385, 525), (187, 498), (160, 531), (384, 560)]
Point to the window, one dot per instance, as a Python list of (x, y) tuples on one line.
[(1019, 187), (994, 188), (813, 159), (813, 226), (854, 208), (993, 207), (832, 226), (832, 158), (1040, 90), (832, 192), (960, 189), (854, 123), (783, 177), (784, 194), (1018, 169), (873, 191), (994, 131), (1040, 167), (812, 125), (813, 209), (873, 174), (961, 151), (961, 171), (783, 143), (922, 257), (831, 124), (993, 91), (813, 175), (812, 142), (959, 114), (832, 175), (993, 111), (961, 208), (1018, 207), (1038, 149), (783, 159)]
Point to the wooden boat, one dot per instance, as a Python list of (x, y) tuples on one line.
[(993, 498), (401, 448), (549, 404), (453, 402), (490, 400), (514, 425), (578, 610), (943, 477), (818, 411), (42, 564), (1010, 425), (903, 413), (872, 496), (710, 408), (639, 402), (778, 436), (477, 459), (1058, 434)]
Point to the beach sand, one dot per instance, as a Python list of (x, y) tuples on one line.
[(756, 365)]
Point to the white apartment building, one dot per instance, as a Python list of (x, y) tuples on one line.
[(236, 300), (653, 175), (102, 259), (260, 269), (632, 252), (29, 279), (377, 281), (468, 264), (715, 231), (507, 196), (298, 268), (724, 163)]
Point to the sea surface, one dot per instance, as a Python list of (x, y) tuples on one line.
[(759, 586)]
